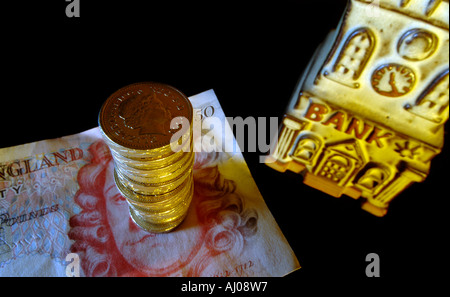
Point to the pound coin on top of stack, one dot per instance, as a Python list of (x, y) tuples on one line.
[(148, 128)]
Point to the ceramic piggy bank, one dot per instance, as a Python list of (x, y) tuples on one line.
[(368, 114)]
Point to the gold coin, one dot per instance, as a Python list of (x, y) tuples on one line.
[(163, 218), (149, 130), (148, 189), (160, 175), (145, 116), (145, 164), (184, 143), (156, 228), (143, 199)]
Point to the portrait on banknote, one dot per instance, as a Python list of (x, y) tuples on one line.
[(111, 244)]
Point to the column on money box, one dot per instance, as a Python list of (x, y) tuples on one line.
[(368, 114)]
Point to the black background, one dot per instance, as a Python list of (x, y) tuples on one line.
[(57, 72)]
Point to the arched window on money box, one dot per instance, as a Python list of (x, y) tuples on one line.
[(373, 178), (307, 149), (433, 103), (353, 58)]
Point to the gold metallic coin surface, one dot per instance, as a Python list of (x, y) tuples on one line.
[(160, 175), (148, 128), (149, 165), (143, 199), (156, 227), (145, 116), (150, 189)]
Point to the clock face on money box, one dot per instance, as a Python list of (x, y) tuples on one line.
[(393, 80)]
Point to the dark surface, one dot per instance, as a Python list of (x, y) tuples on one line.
[(59, 71)]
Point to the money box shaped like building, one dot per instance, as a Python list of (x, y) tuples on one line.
[(368, 115)]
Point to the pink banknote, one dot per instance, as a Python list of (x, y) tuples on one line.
[(61, 214)]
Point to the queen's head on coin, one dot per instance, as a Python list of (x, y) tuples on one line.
[(146, 113), (109, 243)]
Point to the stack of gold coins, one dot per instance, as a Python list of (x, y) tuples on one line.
[(148, 128)]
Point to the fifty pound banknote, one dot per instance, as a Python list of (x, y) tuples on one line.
[(61, 214)]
